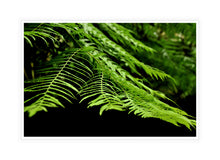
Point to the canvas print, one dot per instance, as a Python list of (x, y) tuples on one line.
[(109, 79)]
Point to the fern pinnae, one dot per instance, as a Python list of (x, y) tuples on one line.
[(51, 83), (122, 34), (146, 105), (122, 55), (105, 96), (52, 86), (44, 32)]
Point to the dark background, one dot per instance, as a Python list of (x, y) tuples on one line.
[(76, 120)]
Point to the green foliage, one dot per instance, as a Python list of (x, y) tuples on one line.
[(175, 44), (62, 79), (100, 64), (43, 31)]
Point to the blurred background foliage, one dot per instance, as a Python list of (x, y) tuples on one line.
[(175, 45)]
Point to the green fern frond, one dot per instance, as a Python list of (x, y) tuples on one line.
[(104, 92), (148, 106), (62, 80), (123, 35), (45, 32), (120, 54), (132, 96)]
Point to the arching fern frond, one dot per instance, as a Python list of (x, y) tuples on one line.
[(61, 80), (120, 91), (148, 106), (120, 54), (112, 69), (104, 92)]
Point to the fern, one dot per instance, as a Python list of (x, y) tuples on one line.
[(97, 70), (120, 34), (146, 105), (43, 31), (175, 44), (120, 54), (107, 95), (62, 80)]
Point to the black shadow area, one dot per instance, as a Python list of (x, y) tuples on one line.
[(80, 121)]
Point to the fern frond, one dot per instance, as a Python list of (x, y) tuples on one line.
[(112, 69), (132, 96), (146, 105), (63, 80), (121, 34), (45, 32), (120, 54), (104, 92)]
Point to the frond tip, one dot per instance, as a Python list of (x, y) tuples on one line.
[(146, 105)]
